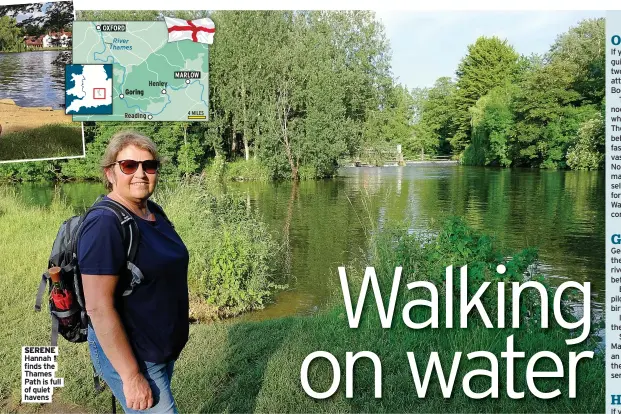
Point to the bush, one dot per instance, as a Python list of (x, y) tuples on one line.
[(588, 151), (231, 251), (214, 171), (426, 256), (246, 170)]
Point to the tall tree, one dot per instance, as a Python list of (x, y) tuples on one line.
[(546, 117), (10, 34), (581, 50), (490, 62), (493, 126), (393, 124), (239, 69), (434, 113)]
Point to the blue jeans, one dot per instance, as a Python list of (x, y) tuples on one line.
[(158, 376)]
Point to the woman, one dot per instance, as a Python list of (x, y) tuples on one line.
[(134, 340)]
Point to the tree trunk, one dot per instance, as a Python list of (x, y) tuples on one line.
[(233, 141), (285, 137), (255, 149), (245, 120)]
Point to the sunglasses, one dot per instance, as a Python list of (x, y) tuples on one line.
[(131, 166)]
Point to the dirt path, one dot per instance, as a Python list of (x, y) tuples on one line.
[(16, 118)]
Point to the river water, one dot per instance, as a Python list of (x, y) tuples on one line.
[(30, 79), (324, 224)]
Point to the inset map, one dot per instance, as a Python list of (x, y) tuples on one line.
[(155, 78), (88, 89)]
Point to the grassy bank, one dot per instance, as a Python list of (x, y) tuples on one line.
[(218, 289), (255, 366), (48, 141), (232, 255)]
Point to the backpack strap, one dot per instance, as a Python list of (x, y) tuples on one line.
[(44, 277), (54, 335), (130, 233)]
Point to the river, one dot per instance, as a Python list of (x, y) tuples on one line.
[(325, 223), (30, 79)]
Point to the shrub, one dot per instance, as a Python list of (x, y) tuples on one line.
[(588, 151), (425, 256), (246, 170), (231, 250)]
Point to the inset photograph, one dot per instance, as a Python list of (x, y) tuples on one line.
[(35, 46)]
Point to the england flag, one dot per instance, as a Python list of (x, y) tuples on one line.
[(199, 30)]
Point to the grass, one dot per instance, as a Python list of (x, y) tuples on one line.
[(236, 366), (233, 275), (242, 170), (237, 170), (47, 141)]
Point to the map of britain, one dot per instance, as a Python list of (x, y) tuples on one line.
[(152, 79), (88, 89)]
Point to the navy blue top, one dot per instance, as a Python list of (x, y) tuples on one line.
[(155, 314)]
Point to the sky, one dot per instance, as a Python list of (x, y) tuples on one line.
[(428, 45), (22, 16)]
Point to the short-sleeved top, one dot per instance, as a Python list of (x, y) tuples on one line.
[(155, 314)]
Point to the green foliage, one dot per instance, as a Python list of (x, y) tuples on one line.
[(231, 252), (543, 106), (10, 35), (289, 90), (57, 15), (295, 88), (490, 62), (434, 109), (181, 151), (307, 172), (295, 91), (492, 126), (425, 257), (581, 51), (509, 110), (214, 172), (241, 170), (246, 366), (237, 269), (393, 123), (47, 141), (28, 171), (588, 151), (189, 154)]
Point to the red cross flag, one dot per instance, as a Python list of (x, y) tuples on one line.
[(200, 30)]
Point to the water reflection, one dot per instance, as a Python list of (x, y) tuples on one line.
[(30, 79), (325, 224)]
